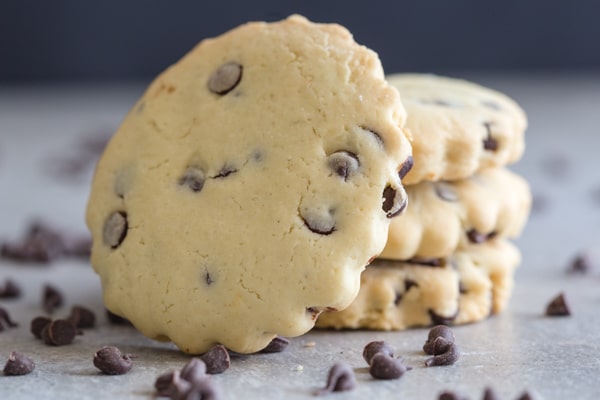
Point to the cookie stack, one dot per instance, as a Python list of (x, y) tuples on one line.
[(448, 259)]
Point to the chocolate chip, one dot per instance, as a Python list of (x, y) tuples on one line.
[(406, 167), (225, 78), (204, 389), (489, 143), (110, 361), (408, 283), (318, 221), (445, 352), (580, 264), (445, 191), (208, 278), (18, 364), (194, 370), (525, 396), (10, 290), (216, 359), (375, 347), (5, 317), (385, 367), (163, 383), (116, 319), (491, 104), (448, 395), (40, 244), (440, 319), (115, 229), (425, 261), (277, 345), (38, 324), (393, 202), (489, 394), (340, 378), (59, 332), (343, 163), (435, 332), (225, 171), (77, 246), (82, 317), (478, 238), (52, 299), (398, 298), (462, 289), (558, 307)]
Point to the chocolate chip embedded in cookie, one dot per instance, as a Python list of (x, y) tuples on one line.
[(248, 188)]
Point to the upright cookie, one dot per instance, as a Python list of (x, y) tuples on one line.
[(444, 216), (458, 127), (465, 287), (249, 187)]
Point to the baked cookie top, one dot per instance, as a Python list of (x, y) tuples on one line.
[(458, 127), (249, 186), (444, 216)]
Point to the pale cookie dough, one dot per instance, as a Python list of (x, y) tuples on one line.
[(444, 216), (458, 127), (466, 287), (249, 187)]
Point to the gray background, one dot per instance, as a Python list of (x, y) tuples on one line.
[(119, 40)]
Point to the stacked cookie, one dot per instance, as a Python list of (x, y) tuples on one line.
[(449, 258)]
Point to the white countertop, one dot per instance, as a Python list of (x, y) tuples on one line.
[(521, 349)]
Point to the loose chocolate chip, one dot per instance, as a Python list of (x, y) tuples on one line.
[(115, 229), (375, 347), (340, 378), (385, 367), (59, 332), (163, 383), (194, 370), (116, 319), (216, 359), (110, 361), (225, 78), (478, 238), (343, 163), (440, 319), (52, 299), (277, 345), (40, 244), (318, 221), (208, 278), (4, 316), (204, 389), (425, 261), (77, 246), (18, 364), (558, 307), (38, 324), (580, 264), (225, 171), (491, 104), (489, 394), (82, 317), (10, 290), (489, 143), (445, 191), (393, 202), (448, 395), (525, 396), (434, 333), (406, 167), (445, 352)]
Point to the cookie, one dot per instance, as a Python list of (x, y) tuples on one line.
[(465, 287), (444, 216), (248, 188), (458, 127)]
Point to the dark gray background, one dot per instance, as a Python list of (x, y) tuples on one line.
[(120, 39)]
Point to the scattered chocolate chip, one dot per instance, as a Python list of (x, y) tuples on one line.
[(10, 290), (82, 317), (580, 264), (178, 388), (52, 299), (393, 201), (478, 238), (40, 244), (318, 221), (375, 347), (204, 389), (111, 361), (225, 78), (406, 167), (116, 319), (194, 370), (340, 378), (445, 352), (436, 332), (277, 345), (437, 319), (445, 191), (216, 359), (525, 396), (208, 278), (59, 332), (163, 383), (385, 367), (425, 261), (225, 171), (558, 307), (489, 394), (448, 395), (343, 163), (38, 324), (491, 104), (5, 317), (489, 143), (115, 229), (18, 364), (77, 246)]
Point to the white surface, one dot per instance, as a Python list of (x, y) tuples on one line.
[(558, 358)]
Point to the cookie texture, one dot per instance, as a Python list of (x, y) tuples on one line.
[(444, 216), (248, 188), (466, 287), (458, 127)]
